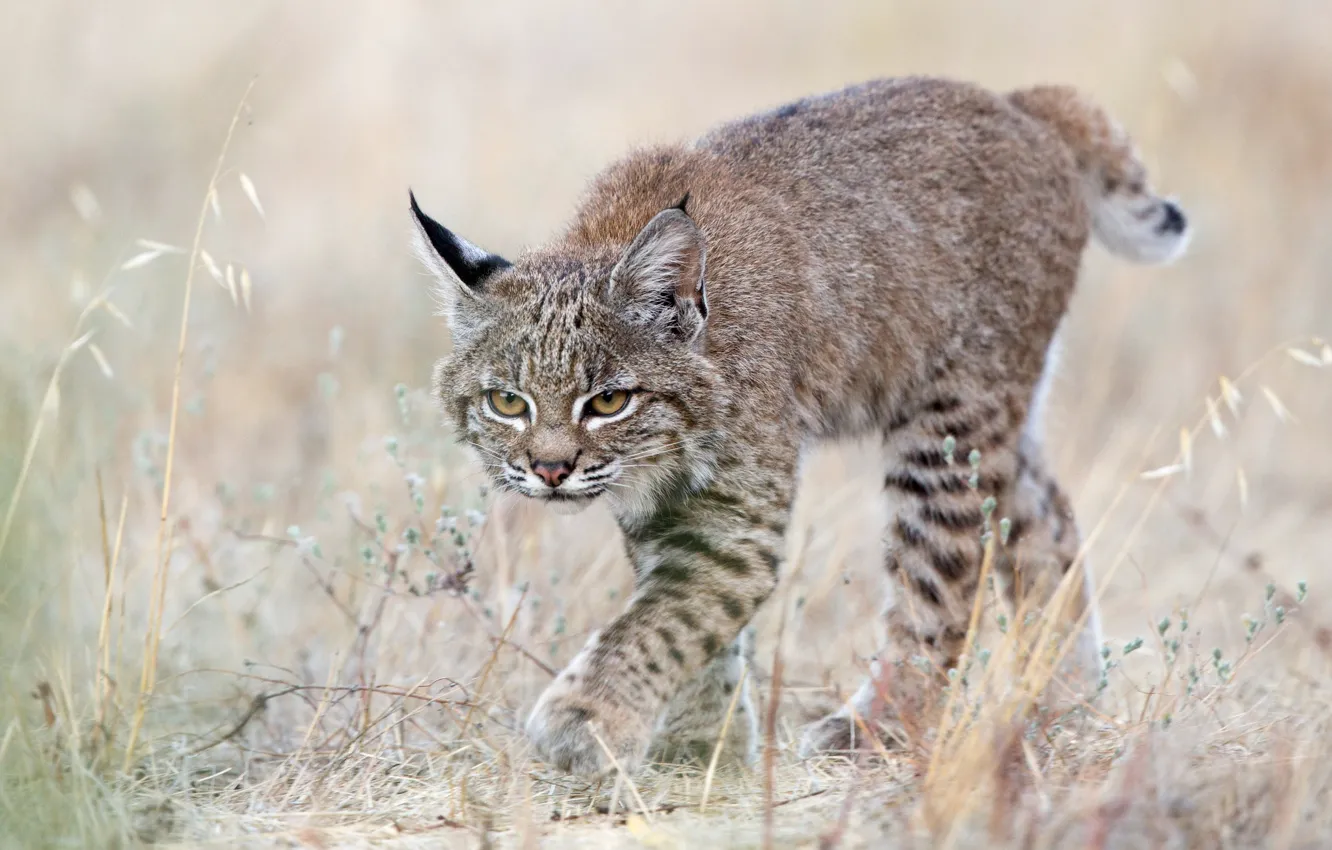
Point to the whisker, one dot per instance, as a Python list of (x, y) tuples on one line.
[(669, 444), (651, 452), (491, 453)]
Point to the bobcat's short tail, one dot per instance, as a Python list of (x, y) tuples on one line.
[(1128, 218)]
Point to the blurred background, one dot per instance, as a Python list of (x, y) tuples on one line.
[(496, 114)]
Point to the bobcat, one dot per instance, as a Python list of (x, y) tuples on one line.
[(893, 259)]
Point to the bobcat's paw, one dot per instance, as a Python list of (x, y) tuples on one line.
[(562, 723), (841, 733), (834, 733), (716, 700), (698, 744)]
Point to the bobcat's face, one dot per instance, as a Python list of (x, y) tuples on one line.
[(563, 401), (574, 379)]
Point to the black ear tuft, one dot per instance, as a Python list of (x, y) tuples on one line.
[(684, 202), (470, 264)]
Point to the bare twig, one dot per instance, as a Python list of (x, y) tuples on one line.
[(256, 705), (494, 656)]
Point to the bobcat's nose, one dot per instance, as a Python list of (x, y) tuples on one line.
[(553, 472)]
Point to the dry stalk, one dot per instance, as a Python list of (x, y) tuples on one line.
[(633, 788), (162, 555), (49, 405), (721, 738), (111, 558)]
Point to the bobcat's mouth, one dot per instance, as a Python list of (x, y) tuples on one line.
[(570, 503), (580, 496)]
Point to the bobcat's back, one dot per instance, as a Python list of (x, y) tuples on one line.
[(859, 239)]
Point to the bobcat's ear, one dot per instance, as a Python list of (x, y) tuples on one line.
[(460, 267), (659, 282)]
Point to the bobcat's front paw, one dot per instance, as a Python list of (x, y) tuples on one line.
[(562, 723)]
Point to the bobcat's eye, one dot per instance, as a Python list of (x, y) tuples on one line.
[(608, 403), (506, 404)]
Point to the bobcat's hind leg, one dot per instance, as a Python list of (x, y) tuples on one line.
[(934, 556), (1042, 547)]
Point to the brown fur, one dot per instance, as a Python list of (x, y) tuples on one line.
[(894, 259)]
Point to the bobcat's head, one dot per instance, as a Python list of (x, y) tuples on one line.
[(579, 373)]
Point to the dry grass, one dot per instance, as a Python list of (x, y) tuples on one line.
[(250, 593)]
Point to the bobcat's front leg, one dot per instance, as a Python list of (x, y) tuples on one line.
[(703, 565)]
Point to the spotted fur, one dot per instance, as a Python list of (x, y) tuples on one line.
[(891, 259)]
